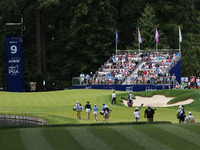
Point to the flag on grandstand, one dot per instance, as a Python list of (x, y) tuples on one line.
[(116, 37), (139, 36), (156, 36), (180, 36)]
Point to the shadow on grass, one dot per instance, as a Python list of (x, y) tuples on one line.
[(85, 125)]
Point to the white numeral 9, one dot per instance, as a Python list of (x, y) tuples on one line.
[(13, 49)]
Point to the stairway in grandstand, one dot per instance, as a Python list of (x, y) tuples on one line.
[(138, 67)]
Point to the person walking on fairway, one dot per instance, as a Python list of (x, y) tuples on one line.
[(106, 114), (130, 100), (113, 98), (149, 112), (88, 109), (181, 114), (78, 109), (95, 111), (190, 118), (136, 114)]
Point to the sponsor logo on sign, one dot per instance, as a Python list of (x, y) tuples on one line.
[(13, 70), (14, 60)]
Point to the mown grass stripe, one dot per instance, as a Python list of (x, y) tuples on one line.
[(181, 132), (165, 137), (61, 139), (194, 128), (114, 139), (33, 139), (10, 140), (141, 138), (87, 140)]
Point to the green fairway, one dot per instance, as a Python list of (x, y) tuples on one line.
[(56, 107), (122, 132), (141, 136)]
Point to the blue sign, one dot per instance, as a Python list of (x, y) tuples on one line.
[(14, 66)]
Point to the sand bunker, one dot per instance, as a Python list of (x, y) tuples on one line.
[(156, 101)]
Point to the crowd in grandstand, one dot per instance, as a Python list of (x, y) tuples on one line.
[(193, 83), (117, 68), (155, 69)]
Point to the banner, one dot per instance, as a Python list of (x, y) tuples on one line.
[(139, 36), (180, 36), (14, 66), (116, 37), (157, 36)]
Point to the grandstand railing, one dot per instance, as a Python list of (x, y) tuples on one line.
[(153, 81), (164, 51)]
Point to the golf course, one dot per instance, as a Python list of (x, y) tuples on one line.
[(65, 131)]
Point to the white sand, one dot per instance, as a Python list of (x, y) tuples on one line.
[(156, 101)]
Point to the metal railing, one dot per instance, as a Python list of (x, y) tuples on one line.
[(137, 51)]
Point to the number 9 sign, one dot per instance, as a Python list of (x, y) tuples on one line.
[(13, 49)]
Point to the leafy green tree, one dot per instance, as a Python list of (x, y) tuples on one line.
[(91, 37)]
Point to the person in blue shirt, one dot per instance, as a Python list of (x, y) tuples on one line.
[(95, 111), (106, 114), (181, 114)]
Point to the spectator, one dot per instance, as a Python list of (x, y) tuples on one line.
[(198, 82), (91, 77), (190, 118), (87, 78), (82, 77), (149, 112)]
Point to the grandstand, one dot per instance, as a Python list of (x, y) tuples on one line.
[(134, 70)]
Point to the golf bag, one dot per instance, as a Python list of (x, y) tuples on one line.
[(77, 109), (130, 103)]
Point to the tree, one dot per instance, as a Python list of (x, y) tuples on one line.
[(91, 37), (148, 24)]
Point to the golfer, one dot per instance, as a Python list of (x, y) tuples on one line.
[(95, 112), (149, 112), (88, 109)]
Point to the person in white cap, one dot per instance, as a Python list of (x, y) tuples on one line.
[(149, 112), (181, 114), (113, 98), (136, 114), (95, 111), (78, 109), (130, 99), (190, 118)]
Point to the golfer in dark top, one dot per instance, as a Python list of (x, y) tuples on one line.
[(88, 109), (149, 112)]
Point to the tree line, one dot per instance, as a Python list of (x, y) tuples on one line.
[(64, 38)]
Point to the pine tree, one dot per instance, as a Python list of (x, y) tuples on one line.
[(148, 24)]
